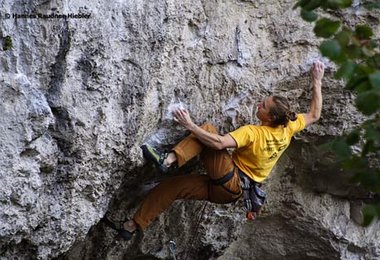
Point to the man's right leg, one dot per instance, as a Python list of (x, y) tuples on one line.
[(192, 186)]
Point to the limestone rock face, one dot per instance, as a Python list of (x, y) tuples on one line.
[(80, 95)]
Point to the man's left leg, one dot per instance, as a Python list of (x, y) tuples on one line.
[(193, 186), (183, 152)]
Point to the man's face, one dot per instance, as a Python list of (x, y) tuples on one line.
[(263, 109)]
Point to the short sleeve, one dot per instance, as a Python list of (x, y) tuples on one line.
[(298, 125), (242, 136)]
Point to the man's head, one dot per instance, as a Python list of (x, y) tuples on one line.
[(275, 111)]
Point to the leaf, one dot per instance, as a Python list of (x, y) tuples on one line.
[(346, 70), (312, 5), (373, 43), (370, 123), (355, 81), (369, 214), (341, 148), (363, 32), (368, 51), (356, 178), (301, 3), (336, 4), (363, 69), (326, 27), (308, 16), (375, 80), (326, 147), (331, 49), (372, 134), (370, 179), (353, 137), (353, 51), (371, 6), (368, 147), (368, 102), (345, 3), (364, 86), (343, 37), (357, 164), (374, 61)]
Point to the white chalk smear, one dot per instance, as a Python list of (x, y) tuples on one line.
[(172, 107), (314, 57)]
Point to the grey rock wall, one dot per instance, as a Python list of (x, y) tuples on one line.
[(79, 96)]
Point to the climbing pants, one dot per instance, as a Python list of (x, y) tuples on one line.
[(218, 163)]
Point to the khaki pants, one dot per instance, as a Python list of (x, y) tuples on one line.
[(193, 186)]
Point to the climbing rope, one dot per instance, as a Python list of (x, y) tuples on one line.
[(196, 233)]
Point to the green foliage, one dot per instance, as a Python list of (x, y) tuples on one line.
[(346, 70), (341, 148), (374, 61), (331, 49), (324, 4), (344, 37), (336, 4), (7, 43), (372, 5), (357, 55), (353, 137), (363, 32), (368, 102), (325, 27), (374, 78), (369, 213), (309, 16), (311, 5)]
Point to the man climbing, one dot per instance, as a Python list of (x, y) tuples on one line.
[(257, 149)]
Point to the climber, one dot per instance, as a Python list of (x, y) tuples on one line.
[(257, 149)]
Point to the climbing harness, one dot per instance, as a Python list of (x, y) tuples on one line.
[(254, 196), (221, 181)]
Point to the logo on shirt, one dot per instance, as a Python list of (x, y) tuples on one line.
[(274, 156)]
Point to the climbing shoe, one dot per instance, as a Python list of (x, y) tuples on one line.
[(119, 227), (154, 156)]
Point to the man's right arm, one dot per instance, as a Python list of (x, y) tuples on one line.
[(314, 113), (212, 140), (215, 141)]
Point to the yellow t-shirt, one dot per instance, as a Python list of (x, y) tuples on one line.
[(259, 147)]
